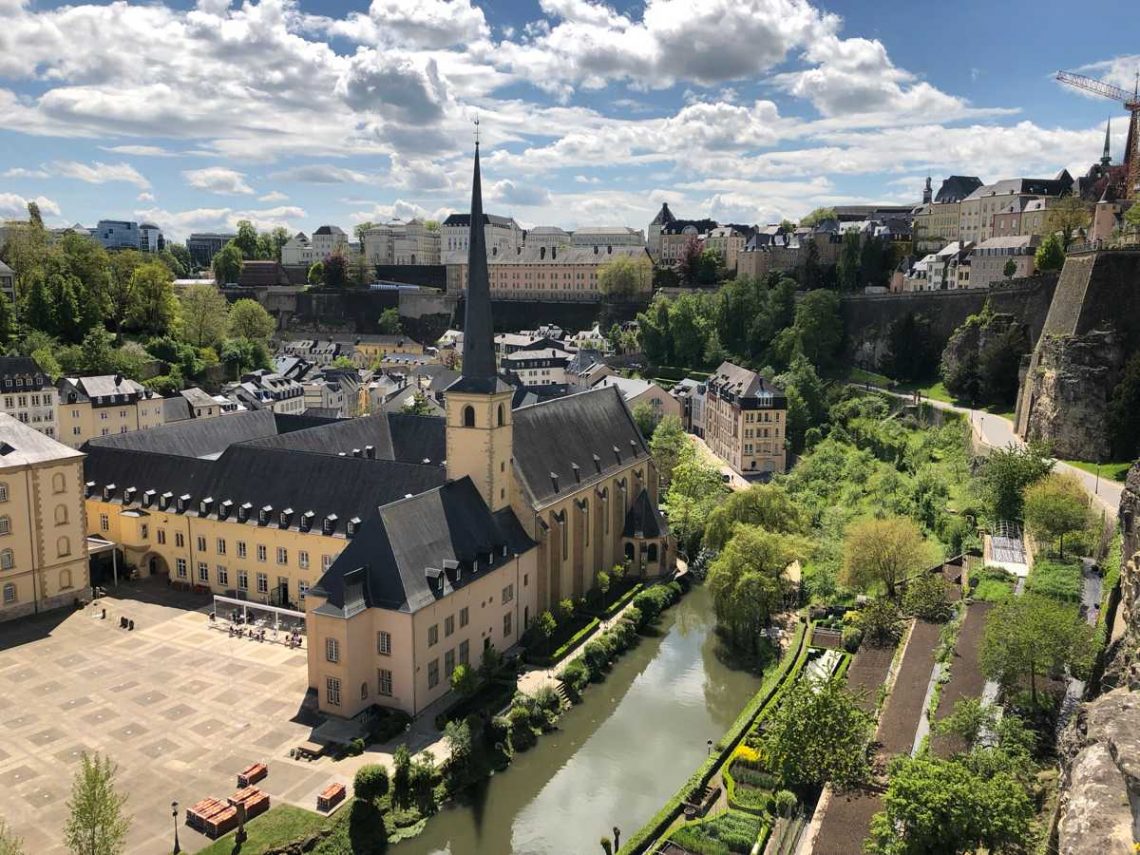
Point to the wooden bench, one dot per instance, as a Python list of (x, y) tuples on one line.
[(252, 774), (330, 797)]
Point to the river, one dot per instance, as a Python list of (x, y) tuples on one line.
[(616, 758)]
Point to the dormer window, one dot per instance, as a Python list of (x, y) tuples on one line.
[(353, 526), (205, 506), (617, 454), (183, 502), (243, 512), (148, 498), (554, 480), (165, 499), (264, 514), (598, 463), (108, 492), (307, 520), (129, 495), (329, 525), (577, 473), (286, 518), (225, 508)]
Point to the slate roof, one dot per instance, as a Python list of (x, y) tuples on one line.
[(103, 386), (464, 220), (741, 382), (643, 520), (329, 230), (664, 216), (193, 438), (21, 445), (6, 270), (389, 563), (176, 409), (956, 188), (19, 368), (552, 436), (393, 436), (570, 255)]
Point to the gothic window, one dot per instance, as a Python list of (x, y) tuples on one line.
[(502, 416), (469, 416), (60, 514)]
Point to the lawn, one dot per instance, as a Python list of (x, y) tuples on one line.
[(275, 828), (937, 392), (858, 375), (1114, 471)]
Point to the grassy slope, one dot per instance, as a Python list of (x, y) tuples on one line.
[(278, 826), (1114, 471)]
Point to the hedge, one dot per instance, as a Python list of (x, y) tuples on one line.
[(789, 665), (620, 603), (567, 647)]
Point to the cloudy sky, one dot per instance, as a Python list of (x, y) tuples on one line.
[(302, 112)]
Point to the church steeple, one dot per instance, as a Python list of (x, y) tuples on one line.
[(478, 328), (1106, 158)]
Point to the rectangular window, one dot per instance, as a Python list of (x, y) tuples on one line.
[(221, 546), (326, 562), (303, 559), (223, 575), (262, 583), (465, 653), (384, 682), (104, 522), (203, 572), (180, 568), (9, 594), (161, 535), (241, 549), (243, 580), (384, 643), (144, 530), (282, 555), (507, 624), (261, 552), (332, 691), (448, 625), (463, 617), (433, 635), (433, 673), (201, 543), (508, 594), (179, 539), (332, 650), (449, 662)]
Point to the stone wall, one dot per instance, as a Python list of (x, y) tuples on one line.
[(867, 317)]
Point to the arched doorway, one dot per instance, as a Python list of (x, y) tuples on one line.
[(155, 565)]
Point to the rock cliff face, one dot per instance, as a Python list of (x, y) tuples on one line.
[(1069, 389), (1100, 750)]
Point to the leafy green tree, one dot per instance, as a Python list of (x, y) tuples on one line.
[(653, 329), (278, 237), (1050, 255), (248, 319), (316, 273), (688, 328), (1005, 475), (246, 240), (227, 264), (172, 262), (181, 255), (694, 492), (806, 405), (999, 362), (1068, 216), (817, 216), (927, 597), (1124, 412), (204, 313), (1031, 636), (565, 610), (1055, 506), (7, 321), (768, 506), (418, 406), (152, 305), (1132, 216), (747, 580), (1009, 269), (818, 327), (669, 445), (817, 735), (97, 824), (847, 268), (910, 355), (370, 782), (464, 680), (624, 277), (336, 271), (401, 776), (546, 626), (881, 622), (98, 352), (883, 552), (389, 322), (241, 355), (970, 718), (935, 805), (646, 417), (689, 267), (602, 581)]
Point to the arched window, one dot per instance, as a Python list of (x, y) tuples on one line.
[(652, 554), (60, 514), (3, 492), (7, 560), (629, 551), (64, 579), (5, 526), (502, 416), (63, 546), (363, 691), (58, 483), (469, 416)]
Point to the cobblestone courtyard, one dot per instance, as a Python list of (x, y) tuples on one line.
[(181, 708)]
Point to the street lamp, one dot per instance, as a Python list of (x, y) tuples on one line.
[(710, 746), (174, 814), (1096, 489)]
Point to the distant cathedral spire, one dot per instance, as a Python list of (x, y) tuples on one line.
[(1106, 158), (478, 328)]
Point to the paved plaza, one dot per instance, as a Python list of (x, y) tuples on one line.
[(181, 707)]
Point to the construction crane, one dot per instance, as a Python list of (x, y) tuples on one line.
[(1131, 102)]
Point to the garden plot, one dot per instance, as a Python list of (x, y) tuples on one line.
[(906, 703), (868, 673), (847, 822), (966, 678)]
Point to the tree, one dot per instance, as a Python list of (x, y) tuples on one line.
[(401, 776), (819, 327), (970, 718), (999, 361), (1034, 635), (806, 405), (694, 491), (1124, 412), (389, 322), (7, 321), (182, 255), (464, 681), (10, 844), (565, 610), (646, 417), (336, 271), (98, 353), (847, 267), (934, 805), (1068, 216), (881, 622), (1009, 269), (34, 216), (227, 264), (927, 597), (625, 277), (689, 267), (545, 626), (316, 273), (817, 735), (602, 580), (747, 580), (910, 355), (246, 240), (768, 506), (97, 824), (248, 319), (418, 406), (1132, 216), (240, 355), (819, 215), (204, 313), (278, 237), (370, 782), (153, 306), (1050, 255), (1055, 506), (1005, 475), (883, 551), (669, 445), (360, 228)]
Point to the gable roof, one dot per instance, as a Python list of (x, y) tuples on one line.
[(21, 445), (393, 436), (643, 520), (193, 438), (956, 188), (584, 429)]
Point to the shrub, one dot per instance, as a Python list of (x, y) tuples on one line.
[(1060, 580), (852, 638), (370, 782), (547, 699), (575, 675), (928, 597), (522, 733), (634, 615), (355, 748), (596, 658), (881, 622)]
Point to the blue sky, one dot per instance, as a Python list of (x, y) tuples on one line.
[(196, 114)]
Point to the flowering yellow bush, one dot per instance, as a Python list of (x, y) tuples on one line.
[(748, 754)]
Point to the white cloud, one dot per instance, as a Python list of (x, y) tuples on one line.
[(139, 150), (418, 23), (321, 173), (218, 179), (21, 172), (398, 210), (176, 225), (507, 192), (1119, 71), (15, 206), (145, 197), (99, 173), (273, 196), (396, 86)]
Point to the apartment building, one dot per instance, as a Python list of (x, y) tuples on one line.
[(538, 367), (745, 420), (298, 251), (978, 210), (43, 547), (676, 236), (502, 236), (266, 390), (607, 236), (27, 394), (203, 246), (104, 405), (534, 273), (989, 258), (328, 240), (412, 242), (728, 242)]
